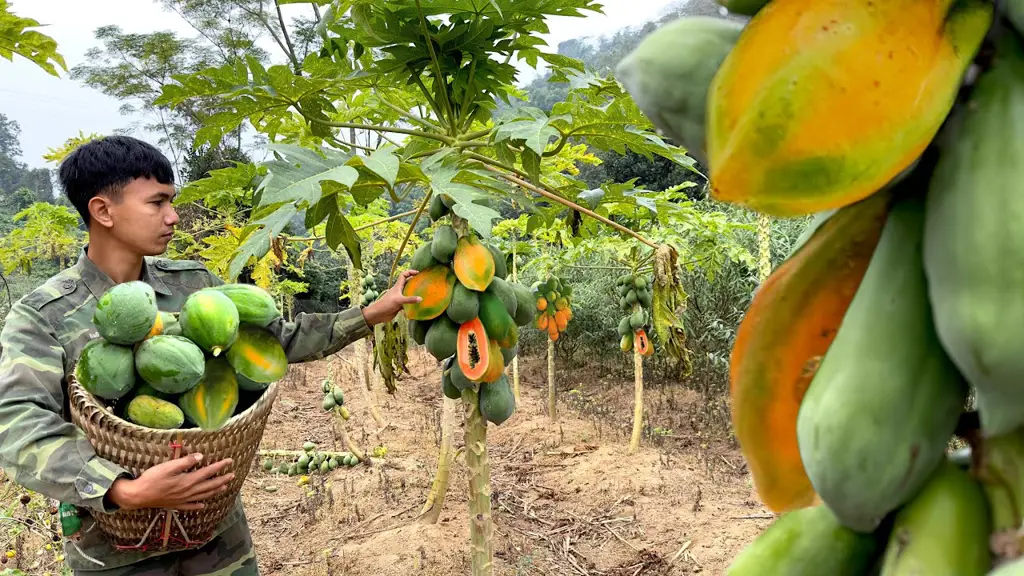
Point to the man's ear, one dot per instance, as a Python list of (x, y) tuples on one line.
[(100, 211)]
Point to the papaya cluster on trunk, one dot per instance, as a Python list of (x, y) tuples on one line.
[(636, 295), (310, 460), (851, 370), (187, 368), (470, 315), (553, 303)]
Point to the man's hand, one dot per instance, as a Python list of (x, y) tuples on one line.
[(170, 485), (385, 308)]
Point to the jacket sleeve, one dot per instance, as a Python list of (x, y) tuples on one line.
[(315, 336), (42, 451)]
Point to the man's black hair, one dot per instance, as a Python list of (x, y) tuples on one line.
[(106, 166)]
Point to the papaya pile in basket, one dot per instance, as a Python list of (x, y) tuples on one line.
[(470, 316), (889, 335), (554, 306), (172, 370)]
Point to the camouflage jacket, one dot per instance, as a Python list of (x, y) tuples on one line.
[(43, 336)]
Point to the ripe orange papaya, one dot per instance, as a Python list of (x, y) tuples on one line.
[(553, 331), (435, 285), (786, 330), (542, 304), (561, 320), (473, 264), (823, 102), (542, 322), (473, 352)]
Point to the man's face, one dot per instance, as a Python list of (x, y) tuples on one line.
[(144, 219)]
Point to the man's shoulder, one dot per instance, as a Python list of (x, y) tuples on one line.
[(170, 265), (60, 285)]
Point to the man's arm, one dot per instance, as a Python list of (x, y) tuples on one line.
[(37, 447), (316, 336)]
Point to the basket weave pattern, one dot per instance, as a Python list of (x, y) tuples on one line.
[(136, 448)]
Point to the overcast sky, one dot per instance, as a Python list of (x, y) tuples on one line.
[(50, 110)]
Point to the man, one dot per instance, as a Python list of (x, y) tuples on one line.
[(123, 188)]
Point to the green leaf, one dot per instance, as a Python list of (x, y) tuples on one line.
[(297, 178), (341, 232), (531, 164), (533, 129), (16, 38), (384, 163)]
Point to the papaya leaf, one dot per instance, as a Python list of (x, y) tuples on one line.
[(384, 163), (297, 176), (340, 232), (531, 127), (16, 38), (669, 304)]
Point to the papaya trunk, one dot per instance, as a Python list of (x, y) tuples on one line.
[(515, 361), (551, 381), (435, 500), (638, 400), (764, 247), (480, 527)]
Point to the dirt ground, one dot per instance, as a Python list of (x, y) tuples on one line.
[(566, 497)]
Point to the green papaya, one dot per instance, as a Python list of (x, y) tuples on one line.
[(974, 241), (670, 71), (636, 320), (254, 304), (526, 305), (442, 338), (497, 403), (624, 305), (943, 531), (171, 364), (508, 354), (437, 209), (644, 297), (126, 313), (423, 257), (418, 330), (807, 542), (500, 264), (465, 304), (625, 325), (459, 379), (442, 247), (877, 416), (631, 297), (447, 387), (744, 7), (105, 369), (504, 292), (623, 290), (497, 322)]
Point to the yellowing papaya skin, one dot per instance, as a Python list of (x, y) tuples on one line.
[(876, 420), (473, 263), (495, 364), (823, 102), (786, 331), (974, 241), (435, 286)]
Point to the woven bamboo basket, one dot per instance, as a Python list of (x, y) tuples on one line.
[(136, 448)]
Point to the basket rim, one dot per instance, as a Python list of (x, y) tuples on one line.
[(87, 399)]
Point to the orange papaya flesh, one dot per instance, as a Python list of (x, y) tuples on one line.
[(435, 286), (786, 331), (473, 263), (642, 344), (473, 351), (823, 102)]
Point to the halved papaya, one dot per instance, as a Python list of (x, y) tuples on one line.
[(435, 286), (473, 264), (642, 344), (473, 350)]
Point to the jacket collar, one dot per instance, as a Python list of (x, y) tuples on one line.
[(98, 282)]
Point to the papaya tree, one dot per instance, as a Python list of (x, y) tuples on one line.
[(401, 102)]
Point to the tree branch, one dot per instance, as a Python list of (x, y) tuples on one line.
[(490, 165), (453, 123), (288, 41), (356, 229), (411, 117), (408, 233), (377, 128)]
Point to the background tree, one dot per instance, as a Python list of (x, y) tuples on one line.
[(17, 38)]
